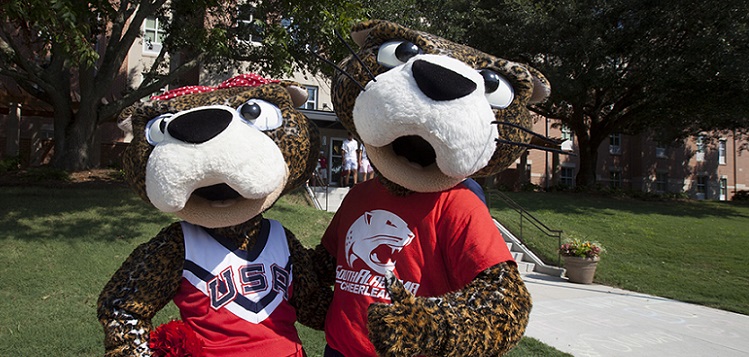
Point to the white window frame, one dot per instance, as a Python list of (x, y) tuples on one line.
[(567, 180), (152, 36), (615, 178), (660, 152), (722, 151), (615, 144), (702, 182), (700, 150), (661, 181), (567, 133), (247, 22), (312, 95)]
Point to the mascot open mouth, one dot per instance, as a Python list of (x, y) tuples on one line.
[(415, 149), (219, 192), (219, 195)]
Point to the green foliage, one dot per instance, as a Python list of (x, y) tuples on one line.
[(10, 164), (741, 196), (579, 248), (62, 22), (669, 67), (690, 251), (73, 51), (46, 173)]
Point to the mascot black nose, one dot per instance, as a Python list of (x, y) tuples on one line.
[(200, 125), (440, 83)]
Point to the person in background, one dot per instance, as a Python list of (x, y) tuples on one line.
[(365, 168), (322, 169), (349, 150)]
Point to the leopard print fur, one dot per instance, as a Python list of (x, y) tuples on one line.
[(529, 86), (487, 317), (151, 276), (439, 326)]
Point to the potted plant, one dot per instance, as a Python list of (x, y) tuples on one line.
[(581, 259)]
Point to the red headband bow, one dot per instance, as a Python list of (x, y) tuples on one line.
[(242, 80)]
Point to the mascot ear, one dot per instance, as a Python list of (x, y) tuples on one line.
[(297, 92), (361, 30), (541, 86)]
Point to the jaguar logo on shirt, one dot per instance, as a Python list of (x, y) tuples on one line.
[(375, 238)]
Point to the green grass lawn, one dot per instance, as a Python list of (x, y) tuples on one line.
[(693, 251), (60, 246)]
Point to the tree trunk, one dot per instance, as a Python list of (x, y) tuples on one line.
[(588, 151), (74, 152)]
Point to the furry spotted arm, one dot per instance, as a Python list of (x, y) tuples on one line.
[(142, 286), (486, 318), (310, 296)]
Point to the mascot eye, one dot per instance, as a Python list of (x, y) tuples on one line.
[(499, 91), (156, 128), (396, 53), (260, 114)]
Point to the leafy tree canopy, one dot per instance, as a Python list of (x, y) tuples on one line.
[(669, 67), (70, 54)]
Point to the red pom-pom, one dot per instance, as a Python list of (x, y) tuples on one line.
[(175, 339)]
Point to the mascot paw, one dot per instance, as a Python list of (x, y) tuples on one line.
[(409, 326)]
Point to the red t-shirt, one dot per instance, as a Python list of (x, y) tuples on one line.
[(434, 242)]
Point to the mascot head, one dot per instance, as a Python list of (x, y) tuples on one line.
[(431, 112), (217, 157)]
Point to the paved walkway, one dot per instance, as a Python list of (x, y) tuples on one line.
[(597, 320)]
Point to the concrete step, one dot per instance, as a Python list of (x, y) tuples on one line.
[(518, 256), (525, 267), (330, 198)]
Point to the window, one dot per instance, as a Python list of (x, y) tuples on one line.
[(615, 144), (248, 29), (660, 151), (311, 98), (701, 187), (153, 35), (700, 155), (661, 182), (567, 133), (615, 179), (567, 176), (722, 152), (723, 189), (528, 172)]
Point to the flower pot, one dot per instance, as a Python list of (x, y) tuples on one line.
[(580, 270)]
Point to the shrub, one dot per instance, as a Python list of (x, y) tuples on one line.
[(10, 164), (742, 195), (46, 174)]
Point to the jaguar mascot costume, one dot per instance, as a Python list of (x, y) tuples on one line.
[(217, 158), (417, 264)]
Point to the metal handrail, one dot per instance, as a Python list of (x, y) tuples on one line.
[(534, 221), (320, 182)]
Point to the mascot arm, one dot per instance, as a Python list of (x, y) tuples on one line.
[(142, 286), (325, 265), (310, 297), (487, 317)]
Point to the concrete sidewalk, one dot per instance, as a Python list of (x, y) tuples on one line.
[(597, 320)]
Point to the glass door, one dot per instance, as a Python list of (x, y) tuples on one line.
[(335, 161)]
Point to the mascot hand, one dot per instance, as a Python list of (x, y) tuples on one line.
[(409, 326)]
